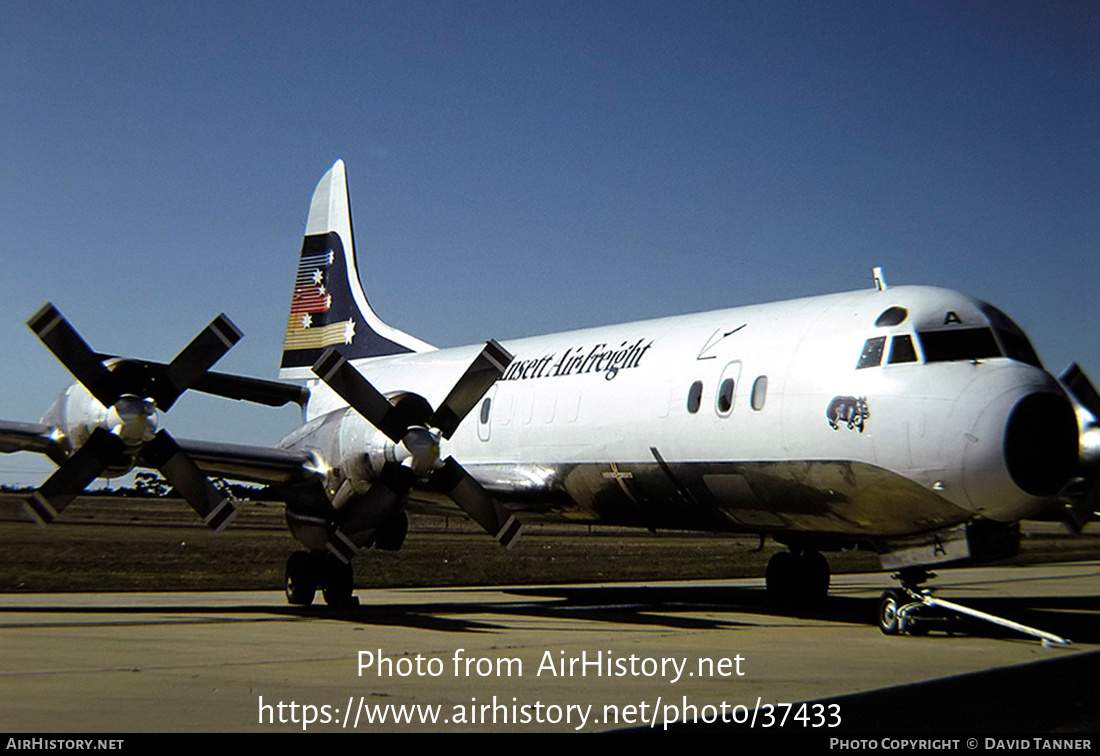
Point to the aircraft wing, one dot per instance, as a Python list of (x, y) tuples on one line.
[(238, 387), (32, 437), (257, 464)]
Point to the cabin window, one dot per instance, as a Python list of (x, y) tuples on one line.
[(958, 344), (759, 392), (695, 397), (902, 350), (486, 407), (725, 397), (872, 353)]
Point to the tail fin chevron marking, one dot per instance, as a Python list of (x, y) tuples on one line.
[(328, 306)]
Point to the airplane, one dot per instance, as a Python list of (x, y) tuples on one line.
[(913, 421)]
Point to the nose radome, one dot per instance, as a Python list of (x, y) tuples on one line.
[(1041, 443)]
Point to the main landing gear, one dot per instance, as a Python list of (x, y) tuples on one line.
[(306, 571), (799, 577), (910, 610)]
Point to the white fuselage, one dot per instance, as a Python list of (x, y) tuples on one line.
[(754, 419)]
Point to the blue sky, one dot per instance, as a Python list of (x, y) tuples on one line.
[(526, 167)]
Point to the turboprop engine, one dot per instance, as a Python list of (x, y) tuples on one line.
[(385, 445), (108, 421)]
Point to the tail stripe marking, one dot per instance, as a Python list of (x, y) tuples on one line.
[(311, 298)]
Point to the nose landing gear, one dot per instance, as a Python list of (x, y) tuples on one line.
[(911, 610)]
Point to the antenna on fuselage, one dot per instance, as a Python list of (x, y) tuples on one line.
[(880, 279)]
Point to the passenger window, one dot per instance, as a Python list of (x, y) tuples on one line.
[(901, 350), (486, 406), (725, 397), (759, 392), (695, 397), (872, 353)]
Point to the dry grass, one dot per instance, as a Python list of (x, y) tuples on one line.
[(127, 544)]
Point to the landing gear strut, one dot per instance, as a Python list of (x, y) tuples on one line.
[(797, 577), (897, 607), (306, 571)]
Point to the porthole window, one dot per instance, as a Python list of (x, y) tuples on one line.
[(725, 397), (486, 406), (695, 397), (759, 392), (892, 316)]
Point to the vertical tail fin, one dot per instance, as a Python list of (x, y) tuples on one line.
[(328, 307)]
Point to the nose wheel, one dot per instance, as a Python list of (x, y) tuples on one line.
[(896, 613)]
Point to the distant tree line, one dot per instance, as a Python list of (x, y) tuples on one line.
[(152, 485)]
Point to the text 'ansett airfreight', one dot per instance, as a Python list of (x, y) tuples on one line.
[(578, 361)]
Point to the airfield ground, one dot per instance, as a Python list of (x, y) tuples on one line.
[(153, 544), (166, 627)]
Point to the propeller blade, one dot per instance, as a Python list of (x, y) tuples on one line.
[(1078, 384), (163, 453), (192, 363), (396, 481), (364, 516), (61, 338), (483, 372), (74, 474), (475, 501), (357, 391)]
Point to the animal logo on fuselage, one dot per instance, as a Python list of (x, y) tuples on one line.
[(848, 409)]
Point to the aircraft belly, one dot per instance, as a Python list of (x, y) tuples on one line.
[(821, 496)]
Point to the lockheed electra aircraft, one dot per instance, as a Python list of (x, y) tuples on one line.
[(915, 422)]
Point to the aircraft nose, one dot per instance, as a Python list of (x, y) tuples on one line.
[(1040, 443)]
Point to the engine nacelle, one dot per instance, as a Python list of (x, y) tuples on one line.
[(350, 453), (361, 451), (77, 414)]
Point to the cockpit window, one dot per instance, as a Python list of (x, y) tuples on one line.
[(872, 353), (902, 350), (1013, 340), (1018, 348), (958, 344)]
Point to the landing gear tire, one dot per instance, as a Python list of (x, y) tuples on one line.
[(301, 586), (779, 579), (816, 569), (889, 608), (339, 585), (797, 579)]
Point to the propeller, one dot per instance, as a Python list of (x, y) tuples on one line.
[(132, 393), (415, 428), (1084, 498)]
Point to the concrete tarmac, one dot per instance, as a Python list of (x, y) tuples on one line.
[(491, 659)]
